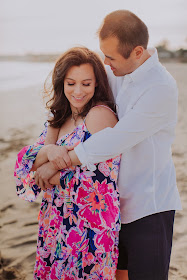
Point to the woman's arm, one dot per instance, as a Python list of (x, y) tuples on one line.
[(52, 135), (27, 188), (55, 180), (43, 155), (97, 119), (51, 152), (41, 158)]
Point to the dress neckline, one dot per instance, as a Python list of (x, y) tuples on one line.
[(60, 140)]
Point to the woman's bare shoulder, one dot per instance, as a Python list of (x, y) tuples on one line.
[(100, 117)]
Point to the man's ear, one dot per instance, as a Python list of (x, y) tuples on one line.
[(138, 52)]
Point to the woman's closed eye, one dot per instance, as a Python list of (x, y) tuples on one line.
[(87, 85), (70, 84)]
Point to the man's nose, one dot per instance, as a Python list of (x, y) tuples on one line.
[(106, 61)]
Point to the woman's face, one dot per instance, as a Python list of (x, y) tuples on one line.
[(79, 86)]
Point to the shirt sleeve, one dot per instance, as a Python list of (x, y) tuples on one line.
[(154, 110)]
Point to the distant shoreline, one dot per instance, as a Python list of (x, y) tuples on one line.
[(30, 57), (164, 56)]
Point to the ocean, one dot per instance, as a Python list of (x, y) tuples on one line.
[(18, 75)]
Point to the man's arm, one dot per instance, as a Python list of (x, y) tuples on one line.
[(156, 109)]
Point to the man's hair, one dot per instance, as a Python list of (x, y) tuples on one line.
[(130, 30)]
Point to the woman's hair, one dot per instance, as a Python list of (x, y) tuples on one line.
[(59, 104), (130, 30)]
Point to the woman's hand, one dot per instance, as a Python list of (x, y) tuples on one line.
[(58, 156), (43, 174)]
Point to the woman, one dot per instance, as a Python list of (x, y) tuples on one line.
[(79, 217)]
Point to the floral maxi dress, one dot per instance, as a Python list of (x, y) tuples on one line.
[(79, 219)]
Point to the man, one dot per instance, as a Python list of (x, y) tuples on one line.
[(146, 98)]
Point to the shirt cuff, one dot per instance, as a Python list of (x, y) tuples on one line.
[(81, 154)]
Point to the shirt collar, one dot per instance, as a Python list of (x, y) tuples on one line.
[(142, 69)]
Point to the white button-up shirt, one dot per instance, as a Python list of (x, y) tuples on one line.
[(147, 109)]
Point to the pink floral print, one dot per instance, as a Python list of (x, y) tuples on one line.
[(79, 219)]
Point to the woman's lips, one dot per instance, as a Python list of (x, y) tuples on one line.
[(78, 98)]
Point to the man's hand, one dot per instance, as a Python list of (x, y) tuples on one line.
[(58, 156), (43, 175)]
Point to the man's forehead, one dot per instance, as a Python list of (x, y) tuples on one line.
[(109, 46)]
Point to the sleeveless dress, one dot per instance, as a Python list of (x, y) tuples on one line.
[(79, 220)]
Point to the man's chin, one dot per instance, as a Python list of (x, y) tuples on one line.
[(116, 74)]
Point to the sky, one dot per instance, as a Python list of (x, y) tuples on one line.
[(48, 26)]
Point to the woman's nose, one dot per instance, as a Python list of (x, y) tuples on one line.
[(77, 89)]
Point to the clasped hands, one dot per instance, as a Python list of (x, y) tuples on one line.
[(56, 158)]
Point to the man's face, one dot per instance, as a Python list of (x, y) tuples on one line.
[(118, 64)]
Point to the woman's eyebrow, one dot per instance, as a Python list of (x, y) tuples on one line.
[(70, 79), (89, 79)]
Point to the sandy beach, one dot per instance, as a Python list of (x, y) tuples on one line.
[(21, 119)]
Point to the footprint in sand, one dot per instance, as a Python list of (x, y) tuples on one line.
[(26, 243), (30, 224), (6, 207), (9, 272)]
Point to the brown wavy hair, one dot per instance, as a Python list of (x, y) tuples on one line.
[(59, 104)]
